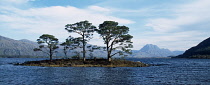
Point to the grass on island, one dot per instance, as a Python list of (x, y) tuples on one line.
[(87, 63)]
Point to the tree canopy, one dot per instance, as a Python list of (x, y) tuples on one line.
[(71, 43), (83, 28), (48, 44), (116, 38)]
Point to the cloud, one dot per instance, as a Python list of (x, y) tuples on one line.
[(187, 26), (99, 9), (52, 20), (173, 41), (177, 28), (183, 16), (14, 2)]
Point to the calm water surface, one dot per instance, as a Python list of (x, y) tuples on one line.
[(165, 71)]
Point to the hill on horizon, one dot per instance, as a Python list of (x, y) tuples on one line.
[(202, 50), (24, 48), (18, 48), (150, 50)]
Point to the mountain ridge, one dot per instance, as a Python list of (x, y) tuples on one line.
[(202, 50), (24, 47), (11, 47), (150, 50)]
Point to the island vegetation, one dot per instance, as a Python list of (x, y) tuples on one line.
[(48, 44), (85, 30), (116, 39), (87, 63)]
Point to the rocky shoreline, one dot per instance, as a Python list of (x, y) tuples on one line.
[(81, 63)]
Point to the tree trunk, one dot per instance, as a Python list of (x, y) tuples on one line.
[(50, 54), (108, 52), (109, 59), (65, 52), (84, 59), (50, 57), (65, 55), (109, 56), (83, 37)]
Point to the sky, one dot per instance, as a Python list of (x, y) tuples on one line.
[(172, 24)]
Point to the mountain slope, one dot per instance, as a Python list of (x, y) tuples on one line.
[(10, 47), (177, 52), (202, 50), (28, 41), (150, 50), (24, 48)]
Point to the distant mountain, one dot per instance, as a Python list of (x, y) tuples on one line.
[(202, 50), (24, 48), (177, 52), (150, 50), (11, 47), (28, 41)]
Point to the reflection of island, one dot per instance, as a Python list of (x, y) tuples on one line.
[(202, 50), (81, 63)]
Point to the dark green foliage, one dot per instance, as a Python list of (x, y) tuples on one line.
[(71, 43), (48, 44), (91, 49), (116, 38), (81, 63), (202, 50), (83, 28), (77, 56)]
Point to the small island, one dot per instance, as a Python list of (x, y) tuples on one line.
[(117, 42), (81, 63)]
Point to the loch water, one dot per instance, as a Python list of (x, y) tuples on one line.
[(165, 71)]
